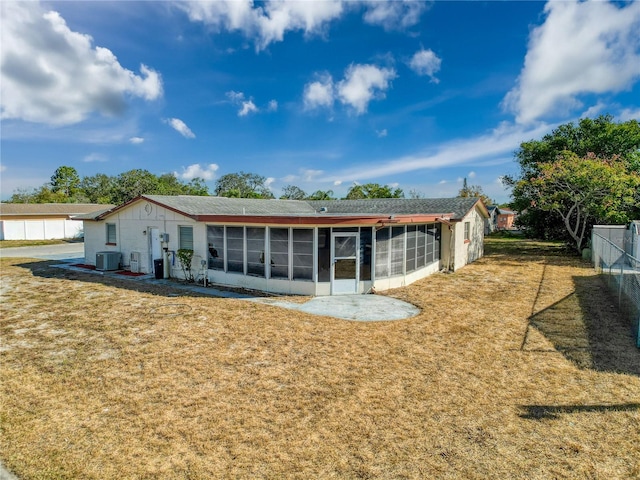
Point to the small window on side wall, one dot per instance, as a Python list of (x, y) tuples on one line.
[(467, 231), (185, 238), (111, 233)]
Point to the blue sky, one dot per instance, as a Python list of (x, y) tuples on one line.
[(317, 94)]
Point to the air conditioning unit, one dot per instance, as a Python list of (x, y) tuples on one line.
[(134, 262), (107, 260)]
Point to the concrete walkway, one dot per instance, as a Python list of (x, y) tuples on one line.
[(363, 308)]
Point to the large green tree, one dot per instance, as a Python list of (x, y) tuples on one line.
[(242, 185), (582, 191), (66, 181), (373, 190), (600, 139)]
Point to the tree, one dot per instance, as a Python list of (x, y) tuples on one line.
[(584, 190), (474, 191), (131, 184), (601, 137), (242, 185), (373, 190), (291, 192), (66, 182), (321, 195), (98, 188)]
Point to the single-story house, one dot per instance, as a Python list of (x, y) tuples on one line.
[(292, 246), (43, 221), (505, 219)]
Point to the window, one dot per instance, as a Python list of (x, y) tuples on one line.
[(235, 249), (324, 254), (397, 251), (185, 238), (467, 231), (421, 247), (111, 233), (431, 243), (302, 254), (365, 253), (411, 248), (279, 244), (382, 252), (215, 242), (255, 251)]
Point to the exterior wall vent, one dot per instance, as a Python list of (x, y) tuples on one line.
[(324, 209), (107, 260)]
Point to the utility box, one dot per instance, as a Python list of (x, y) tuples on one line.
[(134, 262)]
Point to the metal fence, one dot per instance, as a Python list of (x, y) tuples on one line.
[(621, 272)]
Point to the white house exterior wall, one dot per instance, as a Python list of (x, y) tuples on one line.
[(468, 251), (132, 235)]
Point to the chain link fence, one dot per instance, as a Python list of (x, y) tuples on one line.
[(621, 272)]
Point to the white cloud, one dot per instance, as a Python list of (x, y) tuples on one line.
[(3, 168), (269, 181), (180, 127), (265, 23), (394, 15), (426, 63), (235, 97), (206, 172), (471, 174), (95, 157), (442, 182), (272, 106), (382, 133), (504, 139), (363, 83), (589, 47), (269, 21), (320, 93), (629, 114), (247, 108), (136, 140), (337, 183), (53, 75)]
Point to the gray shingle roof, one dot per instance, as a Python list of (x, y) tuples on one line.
[(50, 209), (399, 206), (195, 206)]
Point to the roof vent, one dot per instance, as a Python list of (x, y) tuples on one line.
[(323, 210)]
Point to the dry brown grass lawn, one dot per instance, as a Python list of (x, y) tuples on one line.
[(518, 367)]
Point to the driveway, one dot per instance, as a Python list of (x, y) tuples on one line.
[(64, 251)]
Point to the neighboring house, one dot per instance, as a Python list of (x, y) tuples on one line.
[(291, 246), (43, 221), (505, 219), (491, 222)]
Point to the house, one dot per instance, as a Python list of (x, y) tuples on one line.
[(43, 221), (292, 246), (491, 222), (505, 219)]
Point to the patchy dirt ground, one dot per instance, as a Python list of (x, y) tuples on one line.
[(519, 366)]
